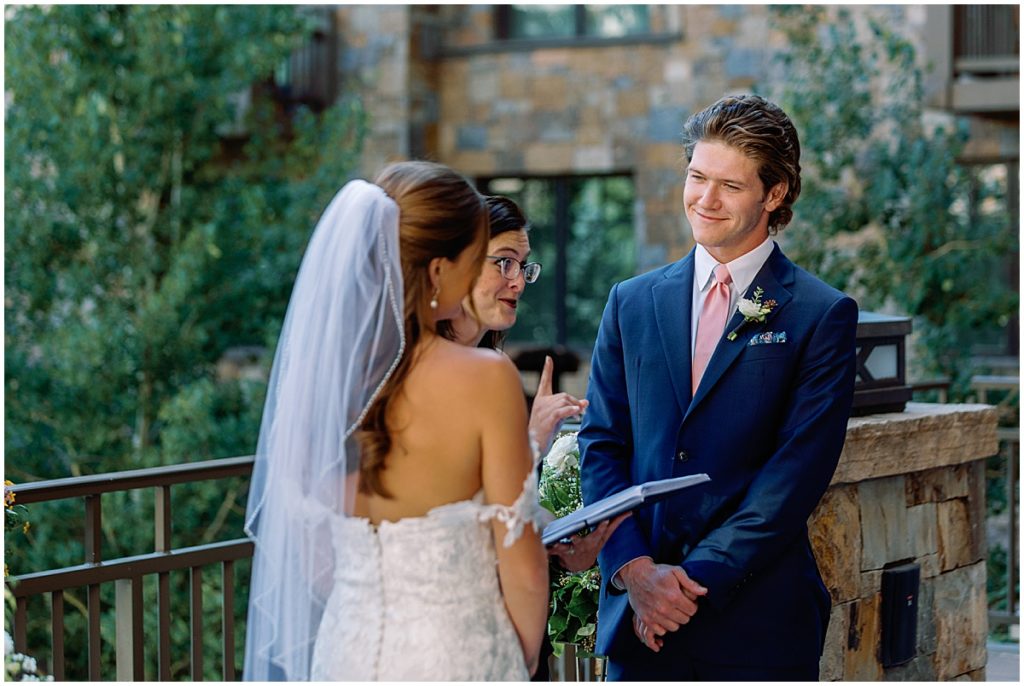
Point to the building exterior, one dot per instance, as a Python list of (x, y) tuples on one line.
[(576, 110)]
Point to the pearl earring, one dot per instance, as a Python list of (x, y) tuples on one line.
[(433, 300)]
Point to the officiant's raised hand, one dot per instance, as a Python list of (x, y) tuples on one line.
[(551, 409), (662, 596)]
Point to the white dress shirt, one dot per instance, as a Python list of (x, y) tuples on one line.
[(743, 270)]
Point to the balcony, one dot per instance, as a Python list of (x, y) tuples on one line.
[(128, 575), (974, 51), (142, 583)]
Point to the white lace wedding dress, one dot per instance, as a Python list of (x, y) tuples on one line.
[(419, 598)]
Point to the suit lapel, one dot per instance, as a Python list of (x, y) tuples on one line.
[(775, 275), (672, 304)]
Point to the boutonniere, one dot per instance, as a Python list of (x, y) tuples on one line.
[(753, 310)]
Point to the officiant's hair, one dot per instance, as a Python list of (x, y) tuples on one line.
[(440, 214), (762, 132)]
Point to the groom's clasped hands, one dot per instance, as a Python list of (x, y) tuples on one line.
[(662, 596)]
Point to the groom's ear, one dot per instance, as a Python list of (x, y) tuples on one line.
[(776, 195)]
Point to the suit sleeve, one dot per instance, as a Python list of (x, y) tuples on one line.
[(775, 508), (606, 438)]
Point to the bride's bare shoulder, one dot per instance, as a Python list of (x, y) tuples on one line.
[(462, 364)]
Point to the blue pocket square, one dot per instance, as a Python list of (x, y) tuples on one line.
[(768, 337)]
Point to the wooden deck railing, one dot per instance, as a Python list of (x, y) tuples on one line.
[(127, 573), (1007, 468)]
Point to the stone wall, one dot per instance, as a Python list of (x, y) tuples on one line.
[(610, 108), (438, 86), (909, 487)]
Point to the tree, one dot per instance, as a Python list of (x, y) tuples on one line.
[(885, 210), (140, 244)]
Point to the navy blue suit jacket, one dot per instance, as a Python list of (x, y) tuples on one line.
[(767, 424)]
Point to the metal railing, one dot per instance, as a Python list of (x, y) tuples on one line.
[(1007, 468), (127, 573)]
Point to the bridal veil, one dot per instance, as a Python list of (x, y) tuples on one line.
[(342, 338)]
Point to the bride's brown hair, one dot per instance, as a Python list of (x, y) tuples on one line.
[(440, 214)]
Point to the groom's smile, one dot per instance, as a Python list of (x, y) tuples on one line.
[(725, 200)]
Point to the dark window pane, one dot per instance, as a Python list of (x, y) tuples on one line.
[(611, 21), (542, 21), (601, 251), (536, 322)]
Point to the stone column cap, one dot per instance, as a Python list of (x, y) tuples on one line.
[(924, 436)]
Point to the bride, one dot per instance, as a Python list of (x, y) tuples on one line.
[(393, 500)]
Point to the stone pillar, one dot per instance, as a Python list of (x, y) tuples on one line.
[(909, 487)]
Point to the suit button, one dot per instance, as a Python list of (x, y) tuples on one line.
[(683, 457)]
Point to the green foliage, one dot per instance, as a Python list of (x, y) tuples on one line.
[(886, 212), (574, 595), (602, 248), (15, 521), (144, 238)]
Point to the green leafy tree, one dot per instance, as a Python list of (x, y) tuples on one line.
[(886, 211), (144, 237)]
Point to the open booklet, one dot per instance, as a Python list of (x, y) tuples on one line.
[(606, 508)]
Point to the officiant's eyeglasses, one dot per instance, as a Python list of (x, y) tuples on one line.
[(510, 268)]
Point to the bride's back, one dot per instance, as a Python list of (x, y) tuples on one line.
[(437, 425)]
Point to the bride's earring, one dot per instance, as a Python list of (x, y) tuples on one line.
[(433, 300)]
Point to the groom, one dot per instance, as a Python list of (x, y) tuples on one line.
[(735, 362)]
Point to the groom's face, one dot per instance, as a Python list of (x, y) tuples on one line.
[(726, 203)]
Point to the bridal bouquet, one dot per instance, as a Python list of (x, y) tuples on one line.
[(574, 595)]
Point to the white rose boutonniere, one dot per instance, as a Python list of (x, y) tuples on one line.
[(753, 310)]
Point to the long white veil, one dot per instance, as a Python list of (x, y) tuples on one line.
[(342, 338)]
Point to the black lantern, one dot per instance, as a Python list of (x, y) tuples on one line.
[(881, 384)]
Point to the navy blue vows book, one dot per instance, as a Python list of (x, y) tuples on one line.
[(606, 508)]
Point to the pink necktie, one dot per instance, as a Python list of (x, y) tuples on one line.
[(711, 323)]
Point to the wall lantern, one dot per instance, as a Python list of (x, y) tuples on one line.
[(881, 383)]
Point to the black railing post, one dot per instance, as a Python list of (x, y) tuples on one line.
[(57, 634), (228, 618), (196, 604), (93, 555), (20, 619)]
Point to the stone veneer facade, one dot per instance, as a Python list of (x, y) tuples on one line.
[(909, 487), (437, 86)]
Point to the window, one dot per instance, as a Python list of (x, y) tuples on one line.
[(571, 21), (309, 76), (582, 232)]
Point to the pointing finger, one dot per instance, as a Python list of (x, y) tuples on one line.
[(544, 387)]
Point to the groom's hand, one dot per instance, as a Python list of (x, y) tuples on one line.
[(662, 596)]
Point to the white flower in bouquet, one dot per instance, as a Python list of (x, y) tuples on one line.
[(562, 454)]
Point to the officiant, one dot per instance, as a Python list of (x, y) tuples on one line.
[(493, 303)]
